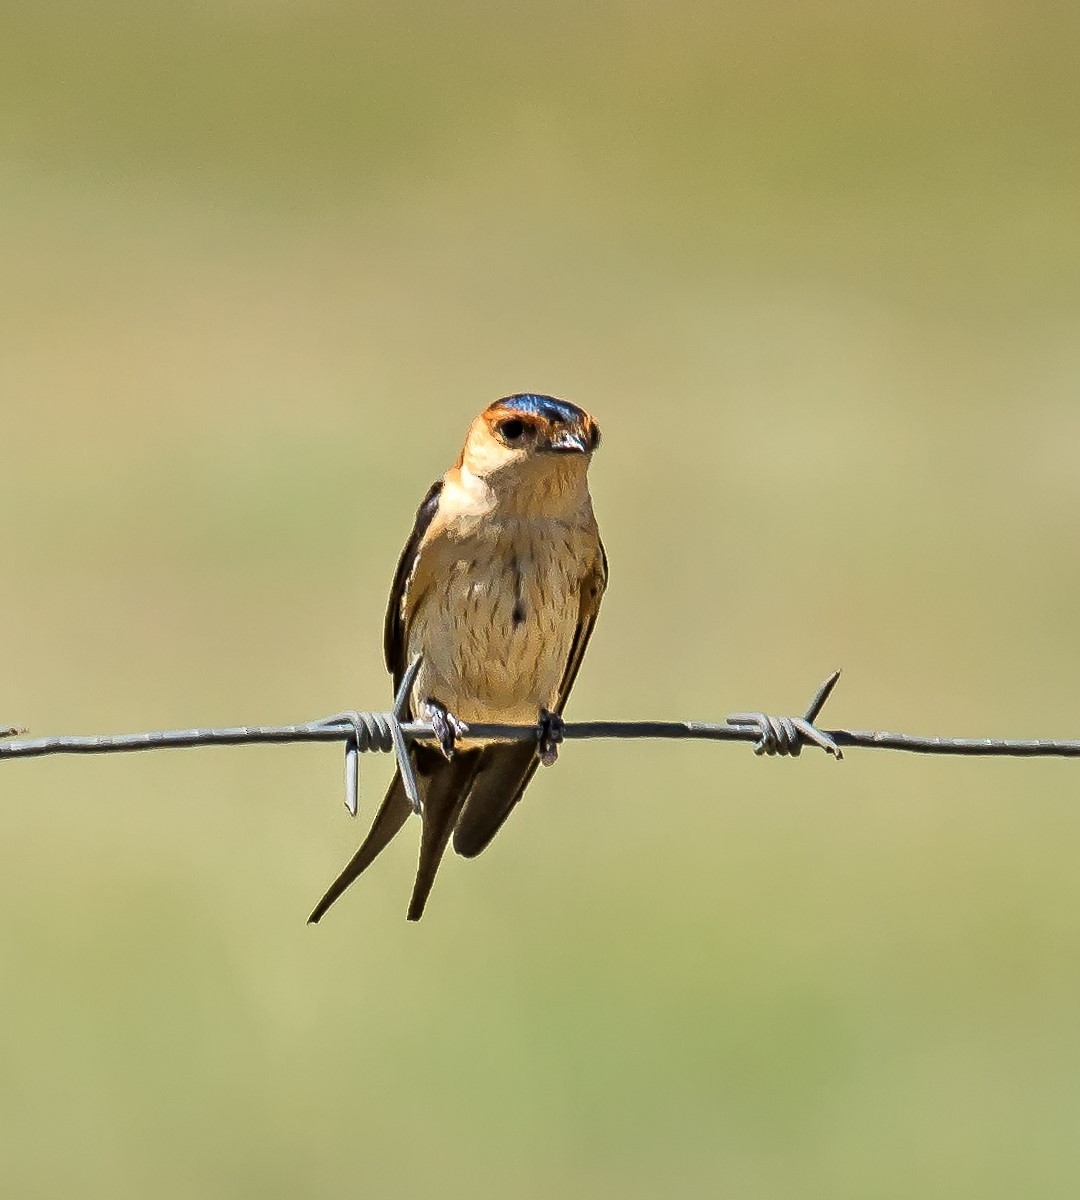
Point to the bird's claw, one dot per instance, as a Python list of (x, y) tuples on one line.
[(550, 736), (788, 735), (444, 725), (7, 731)]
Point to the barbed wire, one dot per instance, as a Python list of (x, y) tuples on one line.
[(393, 731)]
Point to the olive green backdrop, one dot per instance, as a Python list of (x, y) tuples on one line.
[(816, 270)]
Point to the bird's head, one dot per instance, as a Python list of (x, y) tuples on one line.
[(530, 437)]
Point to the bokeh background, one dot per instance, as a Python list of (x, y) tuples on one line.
[(816, 269)]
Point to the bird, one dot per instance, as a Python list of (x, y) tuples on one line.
[(496, 591)]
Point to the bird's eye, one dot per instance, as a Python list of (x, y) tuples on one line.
[(514, 430)]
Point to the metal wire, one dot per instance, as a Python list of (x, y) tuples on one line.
[(391, 732)]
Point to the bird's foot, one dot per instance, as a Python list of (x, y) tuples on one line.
[(551, 736), (446, 727), (7, 731)]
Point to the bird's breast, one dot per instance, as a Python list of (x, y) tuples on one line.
[(496, 623)]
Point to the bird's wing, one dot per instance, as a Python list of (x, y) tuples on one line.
[(506, 768), (394, 637), (592, 592), (504, 772)]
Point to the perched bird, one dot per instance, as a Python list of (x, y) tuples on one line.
[(498, 590)]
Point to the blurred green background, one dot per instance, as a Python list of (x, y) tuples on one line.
[(816, 269)]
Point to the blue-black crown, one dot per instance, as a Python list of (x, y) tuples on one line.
[(555, 411)]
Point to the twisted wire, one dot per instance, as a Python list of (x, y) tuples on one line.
[(379, 732), (391, 732), (372, 731)]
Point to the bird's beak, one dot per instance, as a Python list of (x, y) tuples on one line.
[(566, 441)]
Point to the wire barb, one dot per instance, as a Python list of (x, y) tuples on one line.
[(377, 731), (401, 748), (788, 735)]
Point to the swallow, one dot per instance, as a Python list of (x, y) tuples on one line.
[(497, 590)]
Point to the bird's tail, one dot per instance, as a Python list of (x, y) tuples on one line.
[(393, 813), (444, 797)]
